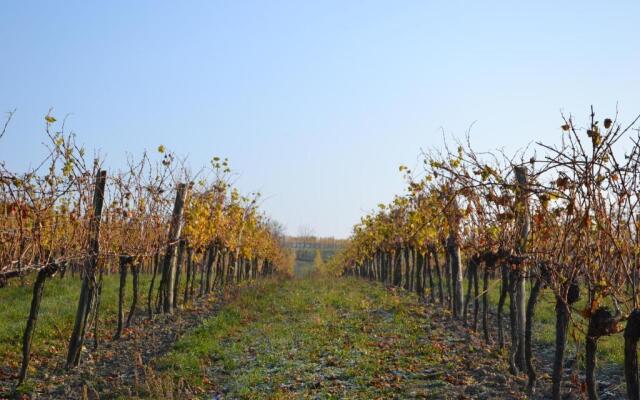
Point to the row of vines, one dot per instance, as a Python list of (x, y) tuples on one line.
[(562, 217), (68, 215)]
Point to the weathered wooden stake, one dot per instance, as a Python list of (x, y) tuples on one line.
[(89, 284), (523, 223), (169, 266)]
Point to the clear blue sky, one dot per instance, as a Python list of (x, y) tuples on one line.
[(315, 103)]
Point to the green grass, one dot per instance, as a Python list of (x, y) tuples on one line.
[(310, 338), (57, 313), (280, 339)]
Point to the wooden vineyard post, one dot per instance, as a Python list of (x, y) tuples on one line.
[(124, 261), (176, 284), (523, 226), (169, 265), (87, 291), (455, 267)]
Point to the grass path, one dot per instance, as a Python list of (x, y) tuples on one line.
[(281, 339), (314, 338)]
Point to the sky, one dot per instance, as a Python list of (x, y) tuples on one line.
[(315, 103)]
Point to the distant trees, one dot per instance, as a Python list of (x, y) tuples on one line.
[(306, 236)]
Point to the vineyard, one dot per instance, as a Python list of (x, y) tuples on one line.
[(559, 219), (181, 235), (158, 281), (362, 200)]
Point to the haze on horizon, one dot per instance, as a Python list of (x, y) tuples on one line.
[(315, 105)]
